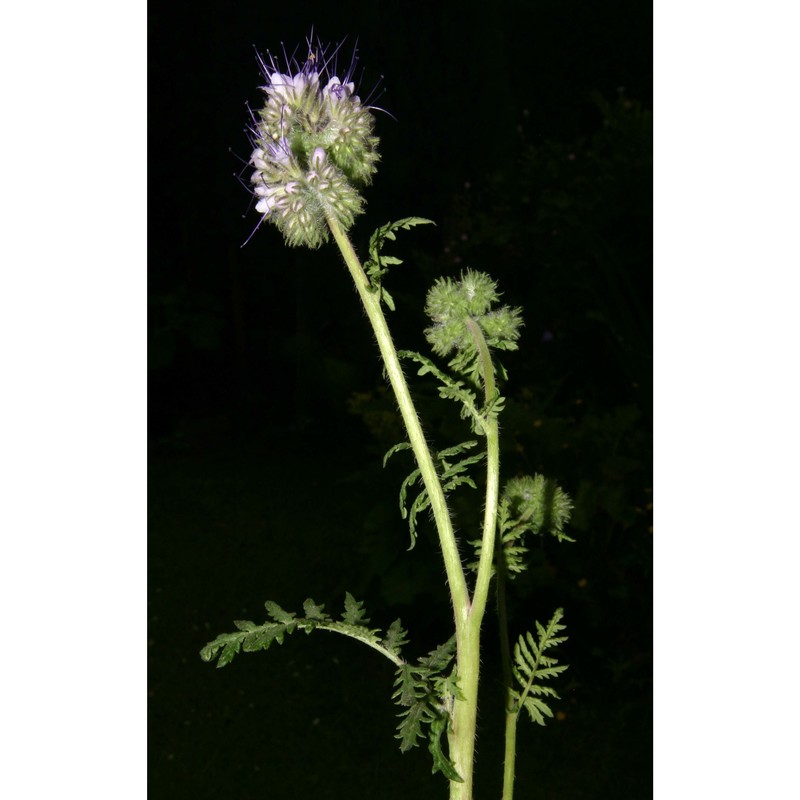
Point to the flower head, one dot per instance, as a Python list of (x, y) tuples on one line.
[(450, 304), (312, 145)]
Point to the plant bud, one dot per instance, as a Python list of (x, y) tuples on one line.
[(450, 304)]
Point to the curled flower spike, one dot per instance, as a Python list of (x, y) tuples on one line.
[(537, 504), (459, 309), (313, 145)]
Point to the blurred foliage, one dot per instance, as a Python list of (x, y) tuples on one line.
[(569, 236), (184, 318)]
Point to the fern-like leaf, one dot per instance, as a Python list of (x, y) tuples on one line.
[(411, 722), (377, 265), (413, 477), (315, 612), (395, 449), (354, 613), (441, 763), (396, 637), (406, 686), (449, 389), (250, 637), (537, 709), (421, 502), (438, 658), (531, 666), (278, 614), (452, 475), (425, 693)]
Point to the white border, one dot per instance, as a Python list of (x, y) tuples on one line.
[(72, 322), (727, 399)]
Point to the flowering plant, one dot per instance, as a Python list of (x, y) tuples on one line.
[(313, 152)]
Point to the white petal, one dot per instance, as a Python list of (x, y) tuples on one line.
[(318, 158)]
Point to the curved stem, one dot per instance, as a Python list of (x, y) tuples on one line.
[(444, 526), (465, 714), (334, 627), (486, 562), (485, 565)]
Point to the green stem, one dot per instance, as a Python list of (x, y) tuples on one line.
[(461, 736), (334, 627), (502, 616), (490, 428), (510, 755), (468, 615), (444, 526), (462, 744), (462, 741), (508, 678)]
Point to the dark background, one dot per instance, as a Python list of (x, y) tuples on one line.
[(524, 131)]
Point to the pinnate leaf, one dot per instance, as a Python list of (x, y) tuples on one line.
[(396, 637), (314, 611), (406, 686), (354, 611), (377, 265), (277, 613), (250, 637), (441, 763), (438, 659), (531, 666), (410, 727), (537, 709)]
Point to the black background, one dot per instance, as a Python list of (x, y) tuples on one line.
[(523, 131)]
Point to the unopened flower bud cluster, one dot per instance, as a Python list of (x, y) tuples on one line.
[(538, 504), (451, 304), (312, 145)]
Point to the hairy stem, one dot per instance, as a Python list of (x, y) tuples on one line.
[(491, 430), (465, 711), (444, 526), (465, 714), (511, 712), (510, 755), (337, 628), (468, 614)]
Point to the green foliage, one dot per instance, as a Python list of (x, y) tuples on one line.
[(531, 667), (425, 691), (426, 694), (377, 265), (395, 638), (354, 611), (528, 505), (451, 475), (450, 389), (251, 637)]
